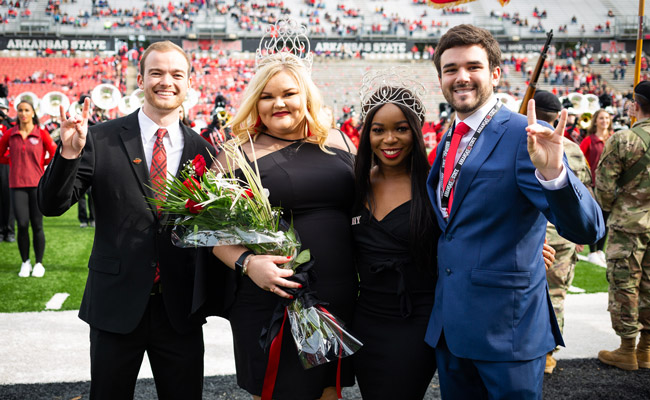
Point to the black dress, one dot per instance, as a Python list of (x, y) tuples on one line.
[(316, 189), (393, 309)]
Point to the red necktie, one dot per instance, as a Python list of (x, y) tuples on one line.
[(450, 160), (158, 171), (158, 175)]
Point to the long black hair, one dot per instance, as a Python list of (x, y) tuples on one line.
[(423, 231)]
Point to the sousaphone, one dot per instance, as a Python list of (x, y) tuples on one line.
[(106, 96), (50, 103), (26, 96)]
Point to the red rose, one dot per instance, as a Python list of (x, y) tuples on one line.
[(199, 165), (247, 193), (192, 184), (193, 206)]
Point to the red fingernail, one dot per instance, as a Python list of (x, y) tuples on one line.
[(291, 297), (288, 257), (299, 286)]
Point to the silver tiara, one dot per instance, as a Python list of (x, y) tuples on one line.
[(286, 36), (393, 85)]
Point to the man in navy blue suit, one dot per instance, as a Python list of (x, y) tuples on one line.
[(494, 183)]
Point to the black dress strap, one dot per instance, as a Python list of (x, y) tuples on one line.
[(244, 153), (345, 141)]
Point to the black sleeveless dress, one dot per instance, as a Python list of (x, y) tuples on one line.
[(392, 311), (317, 190)]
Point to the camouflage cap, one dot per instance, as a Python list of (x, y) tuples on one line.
[(642, 90), (547, 101)]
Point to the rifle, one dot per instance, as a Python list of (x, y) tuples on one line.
[(532, 86)]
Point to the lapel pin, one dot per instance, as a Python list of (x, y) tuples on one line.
[(137, 161)]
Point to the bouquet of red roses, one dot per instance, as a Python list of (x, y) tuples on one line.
[(217, 207)]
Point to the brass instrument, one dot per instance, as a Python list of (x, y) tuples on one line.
[(508, 101), (128, 104), (51, 101), (106, 96), (28, 97)]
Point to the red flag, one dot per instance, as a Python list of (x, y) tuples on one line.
[(453, 3)]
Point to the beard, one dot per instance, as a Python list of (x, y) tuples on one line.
[(468, 106), (168, 104)]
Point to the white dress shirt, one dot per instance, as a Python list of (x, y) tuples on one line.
[(473, 122), (173, 142)]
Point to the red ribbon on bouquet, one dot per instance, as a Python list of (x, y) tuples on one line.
[(274, 361)]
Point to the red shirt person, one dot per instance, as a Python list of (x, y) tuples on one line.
[(28, 144)]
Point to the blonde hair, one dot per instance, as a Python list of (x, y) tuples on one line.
[(244, 122)]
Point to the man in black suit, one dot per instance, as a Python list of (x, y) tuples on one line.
[(139, 291)]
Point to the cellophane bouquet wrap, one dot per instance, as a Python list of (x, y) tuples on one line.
[(216, 207)]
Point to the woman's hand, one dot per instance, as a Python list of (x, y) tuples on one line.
[(549, 254), (264, 271)]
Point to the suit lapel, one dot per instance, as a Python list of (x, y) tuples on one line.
[(189, 151), (482, 150), (132, 140), (432, 183)]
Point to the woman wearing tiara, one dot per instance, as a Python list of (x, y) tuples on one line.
[(308, 169), (395, 235)]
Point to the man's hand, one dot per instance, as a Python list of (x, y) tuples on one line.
[(545, 145), (74, 131)]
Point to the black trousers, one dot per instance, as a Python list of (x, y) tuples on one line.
[(27, 211), (7, 219), (86, 209), (176, 360)]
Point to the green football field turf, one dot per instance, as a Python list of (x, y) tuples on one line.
[(67, 250), (66, 258)]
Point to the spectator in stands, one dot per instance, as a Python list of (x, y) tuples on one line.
[(351, 128), (28, 146)]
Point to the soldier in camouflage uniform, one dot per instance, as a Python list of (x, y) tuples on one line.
[(626, 195), (560, 274)]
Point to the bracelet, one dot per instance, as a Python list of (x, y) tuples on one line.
[(241, 264), (244, 267)]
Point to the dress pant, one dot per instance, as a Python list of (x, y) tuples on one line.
[(7, 219), (86, 209), (176, 360), (463, 378)]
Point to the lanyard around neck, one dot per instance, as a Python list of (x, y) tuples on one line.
[(446, 191)]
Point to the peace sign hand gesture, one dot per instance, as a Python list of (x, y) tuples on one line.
[(545, 146), (74, 131)]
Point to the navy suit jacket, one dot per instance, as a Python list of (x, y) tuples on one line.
[(491, 297)]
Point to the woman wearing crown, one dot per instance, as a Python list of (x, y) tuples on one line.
[(308, 169), (395, 239)]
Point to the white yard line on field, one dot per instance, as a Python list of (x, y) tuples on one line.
[(56, 301), (574, 289)]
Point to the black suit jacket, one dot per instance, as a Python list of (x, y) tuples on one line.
[(130, 239)]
